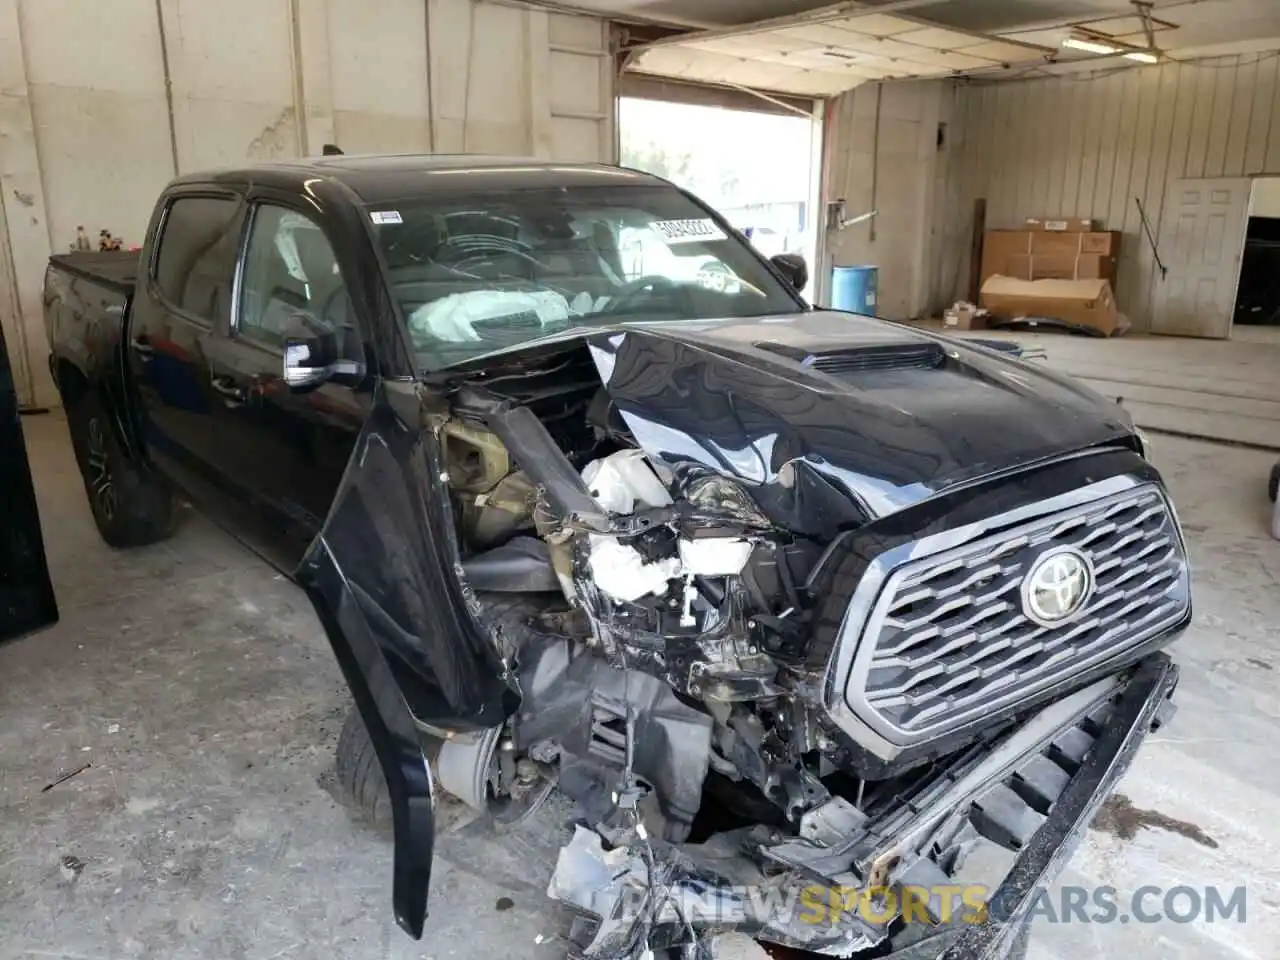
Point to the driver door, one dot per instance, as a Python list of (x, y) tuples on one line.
[(284, 451)]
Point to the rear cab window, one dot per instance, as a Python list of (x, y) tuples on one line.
[(195, 260)]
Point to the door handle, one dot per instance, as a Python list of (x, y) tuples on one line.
[(233, 396)]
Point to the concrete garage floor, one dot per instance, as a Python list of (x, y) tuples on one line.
[(1212, 389), (199, 686)]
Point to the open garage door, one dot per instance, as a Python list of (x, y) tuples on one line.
[(755, 161), (828, 51)]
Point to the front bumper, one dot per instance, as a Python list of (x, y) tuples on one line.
[(1138, 709), (643, 892)]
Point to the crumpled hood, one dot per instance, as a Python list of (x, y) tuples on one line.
[(831, 419)]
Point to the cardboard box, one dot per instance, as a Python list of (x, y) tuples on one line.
[(1044, 267), (1018, 267), (1056, 244), (1046, 255), (1087, 266), (999, 246), (1105, 242), (1081, 303), (1093, 266), (964, 316), (1060, 224)]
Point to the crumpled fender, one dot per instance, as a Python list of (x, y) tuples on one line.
[(381, 575)]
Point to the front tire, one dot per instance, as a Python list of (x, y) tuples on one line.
[(469, 765), (360, 774), (131, 506), (363, 786)]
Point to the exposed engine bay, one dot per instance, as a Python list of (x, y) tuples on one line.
[(672, 576), (662, 629)]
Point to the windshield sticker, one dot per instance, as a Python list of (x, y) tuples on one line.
[(687, 231), (385, 216)]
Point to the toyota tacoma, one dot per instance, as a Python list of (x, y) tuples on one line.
[(782, 598)]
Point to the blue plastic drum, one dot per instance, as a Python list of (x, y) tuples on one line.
[(854, 289)]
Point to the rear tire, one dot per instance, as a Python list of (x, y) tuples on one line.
[(131, 506)]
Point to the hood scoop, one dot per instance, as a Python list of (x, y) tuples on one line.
[(873, 358)]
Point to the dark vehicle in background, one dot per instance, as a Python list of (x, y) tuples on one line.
[(780, 597)]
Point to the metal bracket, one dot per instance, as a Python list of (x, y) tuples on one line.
[(836, 219), (1144, 14)]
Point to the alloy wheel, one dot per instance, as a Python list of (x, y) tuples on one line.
[(101, 482)]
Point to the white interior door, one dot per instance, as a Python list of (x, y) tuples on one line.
[(1201, 242)]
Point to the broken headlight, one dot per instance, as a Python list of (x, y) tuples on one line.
[(1144, 446), (725, 498)]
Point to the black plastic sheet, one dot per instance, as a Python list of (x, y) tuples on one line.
[(26, 594)]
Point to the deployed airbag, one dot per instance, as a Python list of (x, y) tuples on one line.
[(453, 319)]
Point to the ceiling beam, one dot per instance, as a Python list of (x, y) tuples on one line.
[(584, 9), (849, 10), (1164, 10), (646, 86)]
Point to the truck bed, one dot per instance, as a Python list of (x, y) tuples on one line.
[(115, 269)]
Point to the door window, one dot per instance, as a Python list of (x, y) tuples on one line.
[(290, 271), (197, 255)]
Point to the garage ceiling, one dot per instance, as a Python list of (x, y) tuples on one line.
[(1182, 29), (825, 53), (812, 49)]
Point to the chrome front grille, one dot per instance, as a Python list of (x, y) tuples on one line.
[(948, 638)]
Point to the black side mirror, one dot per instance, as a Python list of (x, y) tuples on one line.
[(793, 267), (313, 355)]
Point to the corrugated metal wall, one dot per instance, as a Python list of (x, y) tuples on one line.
[(102, 102), (1086, 145)]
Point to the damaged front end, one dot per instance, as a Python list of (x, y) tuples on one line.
[(788, 683), (855, 879), (752, 715)]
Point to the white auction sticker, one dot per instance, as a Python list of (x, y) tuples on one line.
[(688, 231), (385, 216)]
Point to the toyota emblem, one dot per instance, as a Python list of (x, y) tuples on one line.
[(1057, 586)]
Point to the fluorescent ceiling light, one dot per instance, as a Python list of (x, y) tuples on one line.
[(1142, 57), (1091, 46)]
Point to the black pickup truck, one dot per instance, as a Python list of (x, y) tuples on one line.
[(587, 498)]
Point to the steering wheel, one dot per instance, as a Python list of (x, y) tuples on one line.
[(489, 256), (630, 291)]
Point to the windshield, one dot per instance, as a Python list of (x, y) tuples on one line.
[(482, 273)]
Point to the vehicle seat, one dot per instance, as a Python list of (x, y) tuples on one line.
[(321, 270)]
